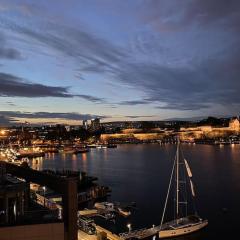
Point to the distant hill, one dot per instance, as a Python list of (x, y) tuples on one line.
[(195, 119)]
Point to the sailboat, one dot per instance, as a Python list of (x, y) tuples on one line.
[(183, 222)]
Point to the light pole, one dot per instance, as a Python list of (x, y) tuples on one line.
[(129, 227), (44, 189)]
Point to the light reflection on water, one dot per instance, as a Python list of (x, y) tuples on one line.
[(140, 173)]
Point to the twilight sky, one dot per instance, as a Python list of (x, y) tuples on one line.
[(67, 60)]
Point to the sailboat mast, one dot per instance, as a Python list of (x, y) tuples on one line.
[(177, 176)]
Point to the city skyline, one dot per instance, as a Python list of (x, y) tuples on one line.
[(66, 61)]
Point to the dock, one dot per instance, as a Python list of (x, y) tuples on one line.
[(137, 234), (110, 235), (84, 236), (88, 212)]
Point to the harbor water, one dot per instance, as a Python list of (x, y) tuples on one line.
[(140, 173)]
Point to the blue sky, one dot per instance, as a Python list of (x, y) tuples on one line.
[(68, 60)]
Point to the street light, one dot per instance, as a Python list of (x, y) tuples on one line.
[(44, 189), (129, 227)]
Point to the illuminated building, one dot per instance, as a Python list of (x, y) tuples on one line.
[(234, 124), (95, 124), (209, 131)]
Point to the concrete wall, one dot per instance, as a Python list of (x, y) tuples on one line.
[(50, 231)]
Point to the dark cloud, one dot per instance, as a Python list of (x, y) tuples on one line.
[(9, 117), (13, 86), (208, 83), (162, 14), (184, 107), (79, 75), (8, 53), (5, 121), (205, 11), (91, 98), (69, 116), (141, 116), (94, 54), (134, 102), (195, 64)]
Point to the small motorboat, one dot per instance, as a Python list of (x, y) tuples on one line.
[(124, 212), (104, 206)]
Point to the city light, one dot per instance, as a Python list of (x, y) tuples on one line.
[(129, 227)]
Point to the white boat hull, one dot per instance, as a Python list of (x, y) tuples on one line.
[(104, 206), (124, 212), (182, 231)]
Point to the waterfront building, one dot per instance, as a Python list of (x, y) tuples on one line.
[(20, 218), (12, 192)]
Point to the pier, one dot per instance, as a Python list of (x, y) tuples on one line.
[(110, 235), (137, 234), (84, 236), (88, 212)]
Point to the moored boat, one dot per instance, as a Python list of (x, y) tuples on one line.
[(104, 206), (82, 150), (182, 226), (124, 212), (182, 223)]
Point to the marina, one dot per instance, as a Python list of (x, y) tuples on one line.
[(119, 221), (204, 159)]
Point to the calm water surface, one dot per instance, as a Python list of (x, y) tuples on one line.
[(141, 173)]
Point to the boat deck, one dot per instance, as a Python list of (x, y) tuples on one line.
[(181, 223), (140, 233)]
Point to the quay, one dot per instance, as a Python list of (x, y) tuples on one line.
[(30, 155), (88, 212), (84, 236), (99, 231), (137, 234), (109, 235)]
